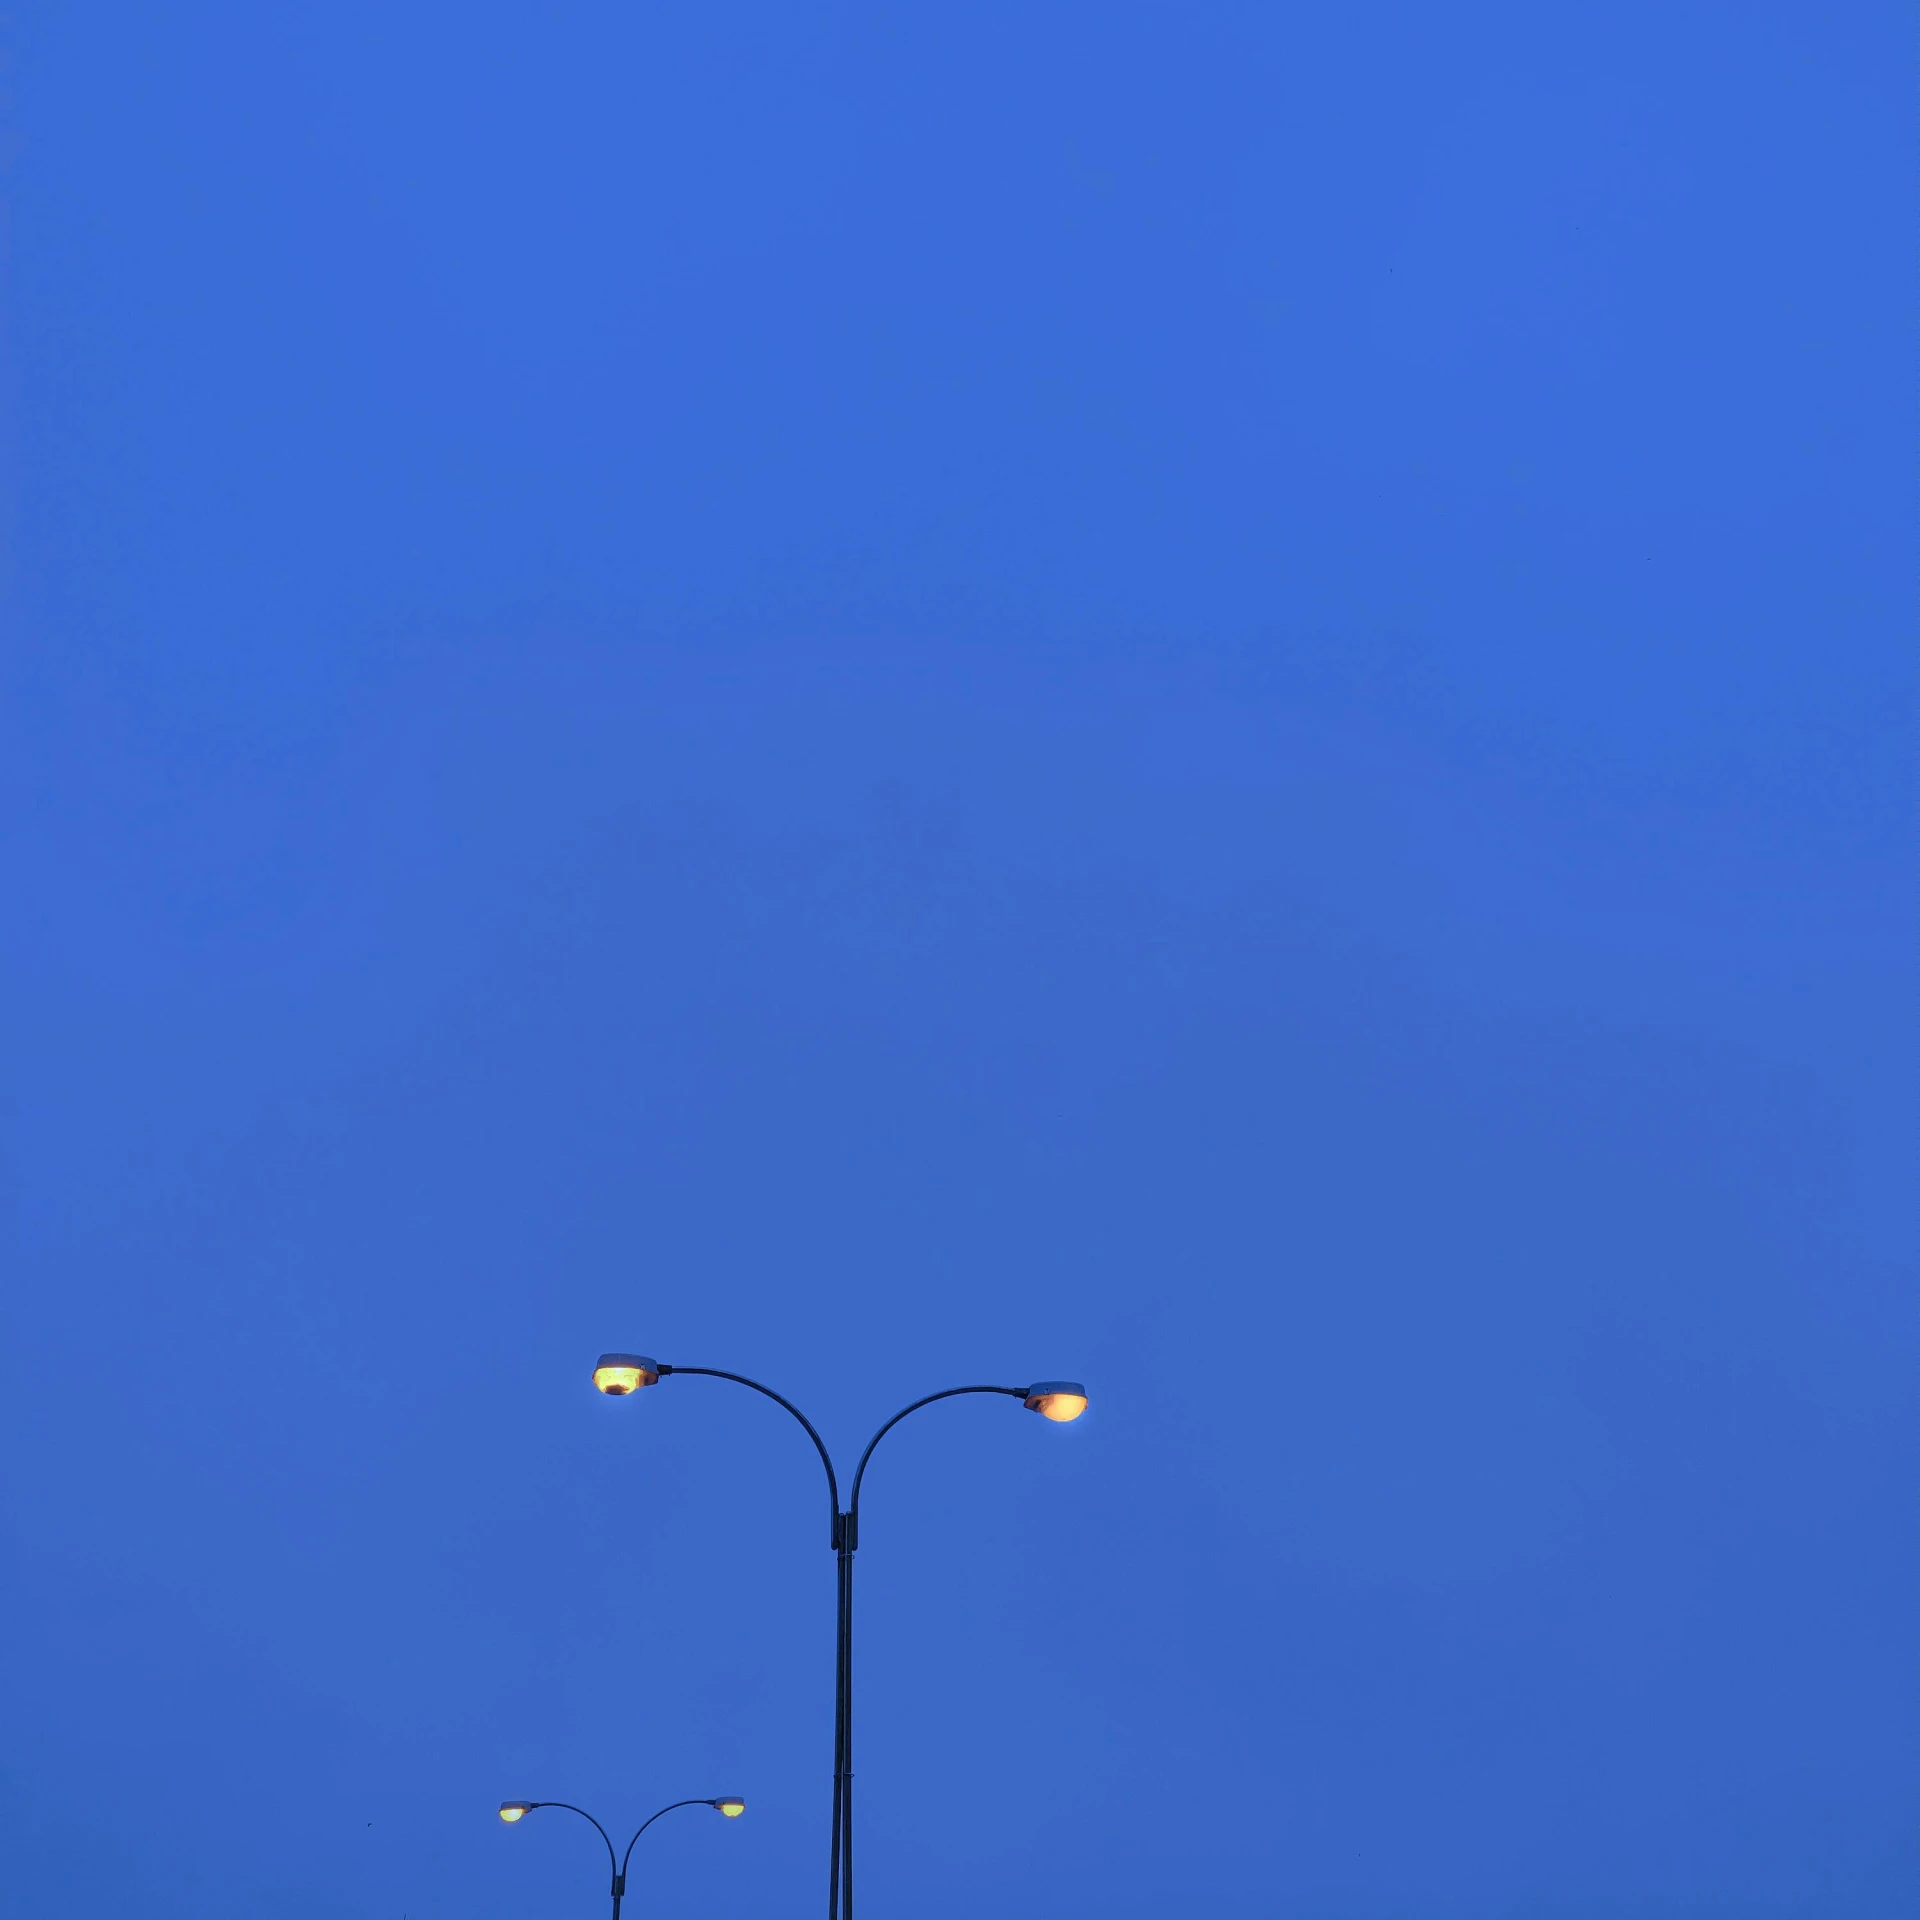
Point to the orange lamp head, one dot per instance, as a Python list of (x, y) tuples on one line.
[(1057, 1399)]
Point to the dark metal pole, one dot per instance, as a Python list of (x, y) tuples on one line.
[(840, 1892), (846, 1721)]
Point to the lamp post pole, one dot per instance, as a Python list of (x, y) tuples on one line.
[(1058, 1400), (512, 1811)]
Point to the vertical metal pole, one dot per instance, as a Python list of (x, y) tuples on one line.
[(846, 1720), (841, 1564)]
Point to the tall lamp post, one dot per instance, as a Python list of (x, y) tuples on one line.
[(1059, 1400), (513, 1811)]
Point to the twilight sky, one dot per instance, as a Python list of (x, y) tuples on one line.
[(1218, 698)]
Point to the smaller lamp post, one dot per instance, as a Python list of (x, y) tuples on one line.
[(513, 1811)]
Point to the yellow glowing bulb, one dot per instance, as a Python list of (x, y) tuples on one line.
[(1058, 1399), (733, 1809), (512, 1810), (619, 1373)]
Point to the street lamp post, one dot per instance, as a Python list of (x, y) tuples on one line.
[(1058, 1400), (513, 1811)]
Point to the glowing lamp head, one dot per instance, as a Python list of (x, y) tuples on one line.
[(732, 1806), (1057, 1399), (512, 1810), (619, 1373)]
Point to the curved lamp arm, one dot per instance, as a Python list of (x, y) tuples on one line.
[(819, 1445), (652, 1817), (859, 1472), (535, 1806)]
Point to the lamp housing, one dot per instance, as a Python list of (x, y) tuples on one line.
[(619, 1373), (1059, 1400)]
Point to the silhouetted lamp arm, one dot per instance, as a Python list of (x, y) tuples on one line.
[(730, 1804), (512, 1810), (860, 1472), (623, 1373)]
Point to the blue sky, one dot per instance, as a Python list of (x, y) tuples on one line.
[(1213, 698)]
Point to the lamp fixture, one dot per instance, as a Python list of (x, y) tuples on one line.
[(1060, 1400), (618, 1373)]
